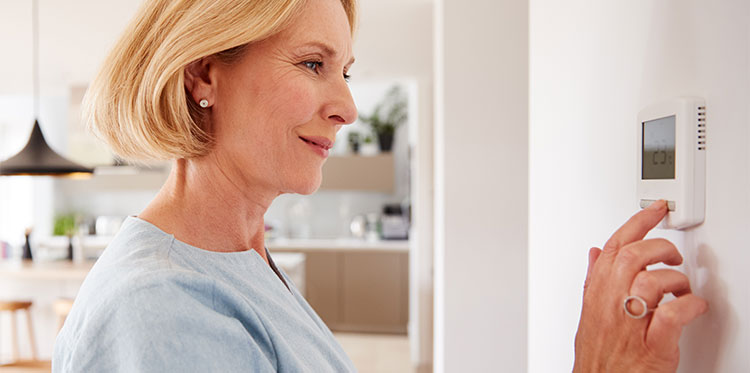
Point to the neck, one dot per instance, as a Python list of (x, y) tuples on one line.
[(204, 207)]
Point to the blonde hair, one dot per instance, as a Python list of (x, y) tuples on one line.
[(138, 103)]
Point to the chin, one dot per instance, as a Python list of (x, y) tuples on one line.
[(309, 185), (308, 189)]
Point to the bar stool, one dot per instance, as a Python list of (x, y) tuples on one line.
[(62, 308), (12, 307)]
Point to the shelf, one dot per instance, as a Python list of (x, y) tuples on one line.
[(118, 178), (374, 174), (355, 173), (338, 245)]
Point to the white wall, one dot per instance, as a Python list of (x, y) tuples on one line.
[(74, 37), (481, 168), (593, 66), (16, 210)]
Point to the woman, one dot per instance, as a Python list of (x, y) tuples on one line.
[(247, 97)]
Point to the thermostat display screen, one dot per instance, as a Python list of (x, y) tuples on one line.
[(658, 149)]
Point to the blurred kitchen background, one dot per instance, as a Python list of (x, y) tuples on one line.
[(348, 246)]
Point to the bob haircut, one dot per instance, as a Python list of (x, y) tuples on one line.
[(138, 103)]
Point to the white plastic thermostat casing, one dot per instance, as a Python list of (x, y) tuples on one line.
[(672, 163)]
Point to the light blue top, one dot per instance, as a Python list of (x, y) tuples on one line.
[(154, 304)]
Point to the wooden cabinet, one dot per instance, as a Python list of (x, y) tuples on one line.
[(359, 291), (323, 285), (375, 292)]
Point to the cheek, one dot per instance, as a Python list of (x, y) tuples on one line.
[(264, 120), (281, 115), (286, 111), (292, 102), (264, 112)]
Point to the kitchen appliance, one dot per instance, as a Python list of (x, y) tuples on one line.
[(394, 223)]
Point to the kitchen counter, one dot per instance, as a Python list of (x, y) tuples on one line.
[(338, 244), (63, 270), (57, 270), (95, 244), (44, 282)]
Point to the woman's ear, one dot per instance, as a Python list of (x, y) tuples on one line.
[(198, 80)]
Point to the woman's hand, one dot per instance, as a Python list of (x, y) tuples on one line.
[(608, 340)]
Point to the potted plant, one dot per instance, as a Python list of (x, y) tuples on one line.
[(387, 116), (368, 147), (66, 225), (353, 138)]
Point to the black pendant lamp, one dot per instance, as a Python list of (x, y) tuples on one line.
[(37, 158)]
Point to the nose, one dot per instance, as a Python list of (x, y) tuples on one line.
[(340, 109)]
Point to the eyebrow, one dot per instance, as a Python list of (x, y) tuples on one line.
[(327, 49)]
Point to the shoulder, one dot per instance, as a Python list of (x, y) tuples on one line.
[(138, 311), (162, 321)]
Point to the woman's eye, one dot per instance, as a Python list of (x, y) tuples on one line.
[(313, 65)]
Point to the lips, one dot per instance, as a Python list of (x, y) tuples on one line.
[(320, 141), (318, 144)]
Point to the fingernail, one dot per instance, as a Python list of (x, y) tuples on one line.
[(656, 205)]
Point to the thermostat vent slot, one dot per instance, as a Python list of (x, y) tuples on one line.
[(701, 140)]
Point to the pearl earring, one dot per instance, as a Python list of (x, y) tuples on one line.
[(203, 103)]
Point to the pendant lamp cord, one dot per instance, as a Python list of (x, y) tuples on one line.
[(35, 54)]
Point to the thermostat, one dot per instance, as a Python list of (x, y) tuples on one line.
[(672, 159)]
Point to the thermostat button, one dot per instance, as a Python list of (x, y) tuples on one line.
[(647, 202)]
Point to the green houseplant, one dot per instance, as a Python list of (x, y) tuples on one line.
[(390, 113), (354, 142), (66, 225)]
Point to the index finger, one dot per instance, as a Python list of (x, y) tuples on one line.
[(637, 226)]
